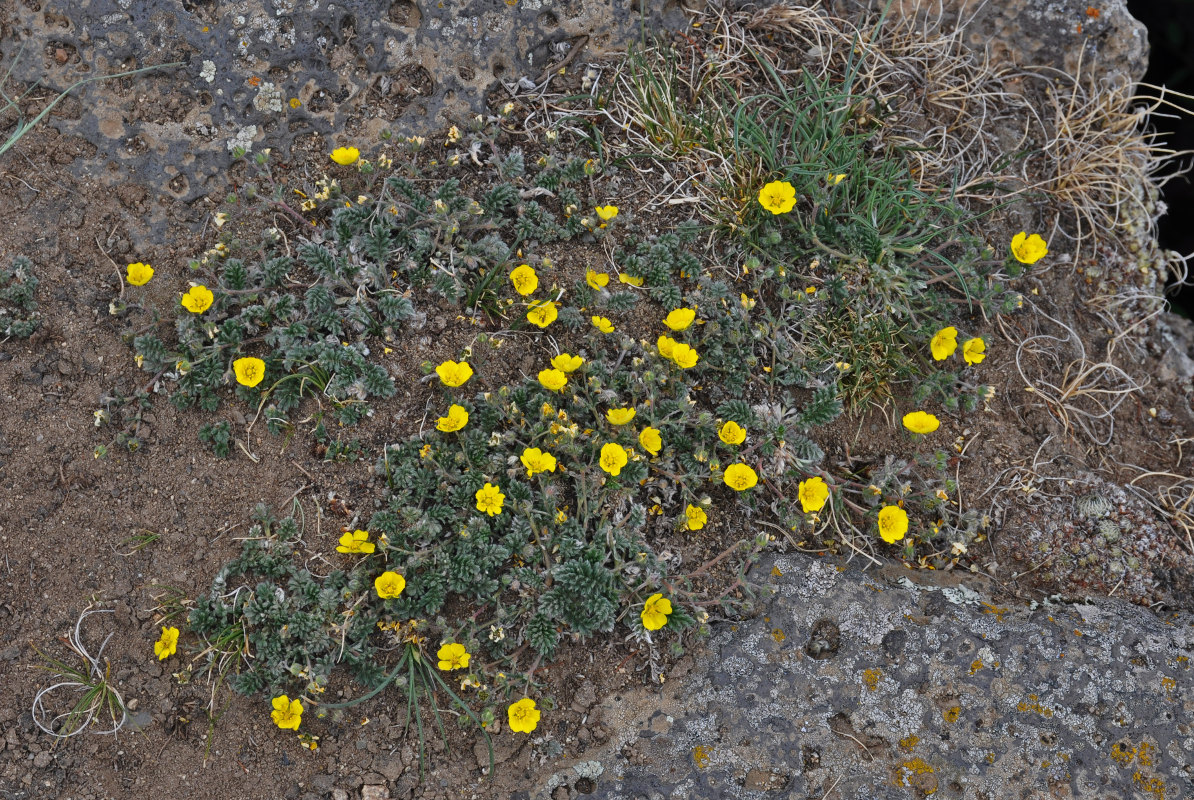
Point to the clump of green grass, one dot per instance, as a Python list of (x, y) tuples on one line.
[(91, 682)]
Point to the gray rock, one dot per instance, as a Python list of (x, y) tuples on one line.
[(374, 792), (987, 698), (388, 765)]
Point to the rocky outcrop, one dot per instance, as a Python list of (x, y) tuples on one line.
[(875, 685)]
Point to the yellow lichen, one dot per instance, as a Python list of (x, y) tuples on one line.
[(778, 635), (701, 756), (1123, 755), (1153, 786), (950, 714), (1144, 756), (976, 665), (1034, 704), (998, 611), (915, 766), (871, 678), (910, 741), (1168, 684)]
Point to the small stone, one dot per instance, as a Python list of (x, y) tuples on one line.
[(586, 696), (373, 792), (42, 760), (339, 794)]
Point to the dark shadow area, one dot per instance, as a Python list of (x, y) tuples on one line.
[(1171, 63)]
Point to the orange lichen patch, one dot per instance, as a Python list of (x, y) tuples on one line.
[(914, 766), (254, 81), (1168, 684), (1144, 756), (950, 714), (1122, 755), (701, 756), (775, 573), (998, 611), (1034, 704), (976, 665), (1154, 786), (871, 678), (778, 635), (908, 742), (1092, 12)]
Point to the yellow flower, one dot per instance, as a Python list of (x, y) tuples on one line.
[(834, 180), (740, 477), (453, 135), (287, 713), (344, 156), (630, 279), (524, 717), (542, 313), (606, 212), (684, 356), (452, 656), (666, 345), (778, 197), (613, 458), (139, 274), (620, 416), (355, 542), (524, 279), (650, 440), (732, 433), (974, 350), (680, 318), (602, 324), (1028, 249), (168, 645), (490, 499), (747, 302), (456, 419), (597, 280), (566, 363), (655, 611), (535, 460), (249, 371), (813, 494), (944, 343), (893, 523), (389, 584), (552, 379), (695, 517), (921, 422), (197, 299), (453, 373)]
